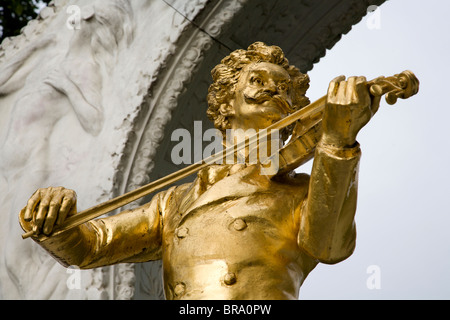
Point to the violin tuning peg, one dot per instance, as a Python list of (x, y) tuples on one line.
[(391, 97)]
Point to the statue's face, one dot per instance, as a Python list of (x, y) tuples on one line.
[(262, 96)]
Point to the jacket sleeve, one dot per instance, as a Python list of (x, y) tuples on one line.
[(130, 236), (327, 228)]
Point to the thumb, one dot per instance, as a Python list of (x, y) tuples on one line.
[(375, 104)]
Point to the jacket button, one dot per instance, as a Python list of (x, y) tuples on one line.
[(182, 232), (239, 224), (229, 279)]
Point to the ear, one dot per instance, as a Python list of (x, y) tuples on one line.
[(227, 109)]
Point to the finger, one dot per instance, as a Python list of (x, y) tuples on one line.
[(361, 81), (334, 85), (67, 204), (342, 91), (52, 215), (338, 79), (42, 213), (332, 89), (361, 85), (31, 206), (350, 91), (362, 89)]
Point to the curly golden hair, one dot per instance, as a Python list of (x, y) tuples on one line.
[(226, 75)]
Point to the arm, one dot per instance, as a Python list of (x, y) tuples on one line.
[(87, 104), (130, 236), (327, 228), (6, 73)]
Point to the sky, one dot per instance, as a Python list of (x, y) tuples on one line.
[(403, 215)]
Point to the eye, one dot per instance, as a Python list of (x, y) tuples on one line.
[(283, 87), (256, 80)]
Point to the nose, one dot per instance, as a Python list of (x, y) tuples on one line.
[(271, 87)]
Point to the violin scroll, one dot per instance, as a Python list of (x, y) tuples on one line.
[(402, 85)]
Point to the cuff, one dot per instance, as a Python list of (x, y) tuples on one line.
[(340, 152)]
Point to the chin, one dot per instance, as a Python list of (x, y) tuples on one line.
[(273, 115)]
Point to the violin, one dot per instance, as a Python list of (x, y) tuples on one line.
[(305, 137)]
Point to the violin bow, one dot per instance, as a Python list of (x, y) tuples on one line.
[(403, 85)]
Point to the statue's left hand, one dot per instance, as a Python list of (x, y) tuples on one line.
[(348, 109)]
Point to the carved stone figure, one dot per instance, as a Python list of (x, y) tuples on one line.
[(234, 233), (64, 89)]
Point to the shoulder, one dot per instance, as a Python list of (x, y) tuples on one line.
[(172, 194)]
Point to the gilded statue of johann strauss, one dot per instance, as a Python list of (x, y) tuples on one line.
[(234, 233)]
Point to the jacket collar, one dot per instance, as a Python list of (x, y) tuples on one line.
[(218, 183)]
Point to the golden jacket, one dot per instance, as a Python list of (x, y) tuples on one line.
[(232, 233)]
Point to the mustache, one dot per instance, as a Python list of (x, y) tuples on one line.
[(261, 97)]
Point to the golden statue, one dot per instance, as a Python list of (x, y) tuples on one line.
[(235, 233)]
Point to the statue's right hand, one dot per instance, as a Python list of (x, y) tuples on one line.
[(48, 208)]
